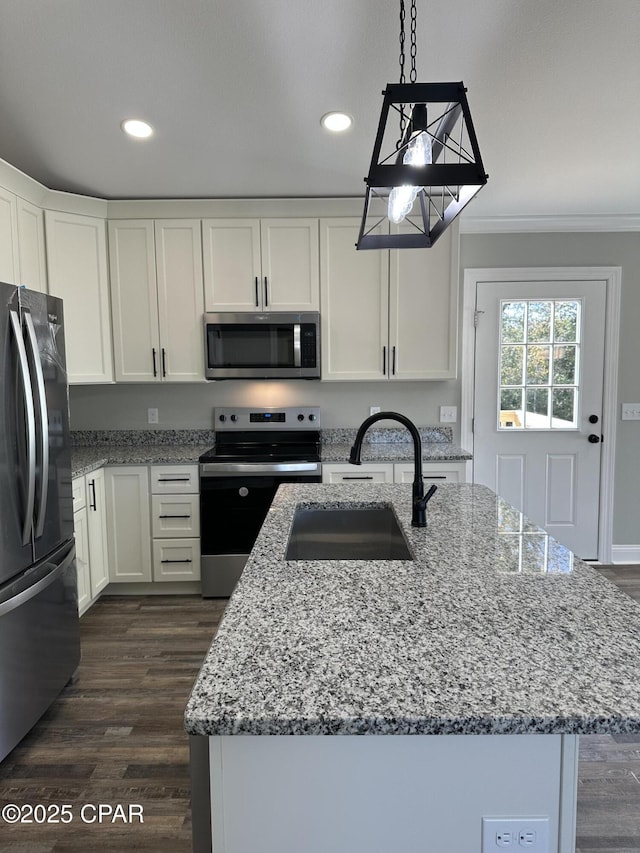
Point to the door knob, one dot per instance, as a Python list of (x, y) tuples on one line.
[(593, 419), (593, 438)]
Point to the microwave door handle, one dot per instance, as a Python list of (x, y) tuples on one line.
[(44, 423), (30, 428), (297, 349)]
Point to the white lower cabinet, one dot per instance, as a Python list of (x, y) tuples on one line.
[(390, 472), (90, 526), (128, 523), (368, 472), (175, 522)]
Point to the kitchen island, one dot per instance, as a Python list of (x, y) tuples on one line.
[(475, 665)]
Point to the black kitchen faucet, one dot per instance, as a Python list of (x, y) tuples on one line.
[(419, 499)]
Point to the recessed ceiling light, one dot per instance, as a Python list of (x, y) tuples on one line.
[(336, 122), (137, 128)]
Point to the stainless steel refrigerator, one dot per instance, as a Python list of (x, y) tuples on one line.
[(39, 627)]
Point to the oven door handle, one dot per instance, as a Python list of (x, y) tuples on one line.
[(224, 469)]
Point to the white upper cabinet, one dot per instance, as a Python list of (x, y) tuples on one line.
[(77, 265), (423, 310), (355, 299), (157, 300), (261, 265), (387, 314), (31, 246), (9, 261)]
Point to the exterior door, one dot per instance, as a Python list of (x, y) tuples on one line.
[(539, 365)]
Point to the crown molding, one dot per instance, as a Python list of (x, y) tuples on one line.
[(531, 224)]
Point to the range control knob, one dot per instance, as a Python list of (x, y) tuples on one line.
[(234, 418), (222, 418), (312, 417), (301, 417)]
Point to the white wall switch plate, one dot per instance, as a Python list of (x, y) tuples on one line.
[(373, 410), (631, 411), (152, 416), (448, 414), (515, 834)]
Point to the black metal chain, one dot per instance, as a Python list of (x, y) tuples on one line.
[(412, 73)]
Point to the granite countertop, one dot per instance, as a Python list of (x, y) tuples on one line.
[(94, 448), (432, 451), (495, 628), (87, 459)]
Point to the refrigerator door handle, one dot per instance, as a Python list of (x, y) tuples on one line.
[(41, 509), (30, 592), (27, 524)]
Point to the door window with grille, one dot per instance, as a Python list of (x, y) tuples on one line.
[(539, 364)]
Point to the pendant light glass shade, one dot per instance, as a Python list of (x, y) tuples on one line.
[(428, 176)]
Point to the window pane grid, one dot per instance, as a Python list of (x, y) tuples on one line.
[(539, 364)]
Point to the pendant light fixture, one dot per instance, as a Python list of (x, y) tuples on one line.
[(422, 175)]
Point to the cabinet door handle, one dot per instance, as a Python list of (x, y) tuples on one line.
[(384, 361), (174, 516), (393, 361), (176, 561), (257, 295), (92, 501), (266, 293), (155, 367), (164, 363), (363, 477)]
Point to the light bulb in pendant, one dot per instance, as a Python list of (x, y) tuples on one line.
[(401, 199)]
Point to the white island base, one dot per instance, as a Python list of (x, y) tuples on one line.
[(378, 794)]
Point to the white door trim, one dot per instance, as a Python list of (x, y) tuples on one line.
[(613, 278)]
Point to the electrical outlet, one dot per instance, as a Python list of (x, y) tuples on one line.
[(448, 414), (152, 416), (373, 410), (515, 834), (631, 411)]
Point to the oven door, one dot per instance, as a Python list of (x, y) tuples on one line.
[(232, 510)]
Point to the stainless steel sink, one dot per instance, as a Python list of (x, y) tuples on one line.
[(347, 533)]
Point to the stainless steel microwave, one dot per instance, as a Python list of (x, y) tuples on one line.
[(249, 345)]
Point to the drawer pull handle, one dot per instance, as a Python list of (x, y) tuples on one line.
[(368, 477), (434, 477), (174, 516), (176, 561), (173, 479)]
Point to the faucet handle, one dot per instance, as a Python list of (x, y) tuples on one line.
[(425, 500)]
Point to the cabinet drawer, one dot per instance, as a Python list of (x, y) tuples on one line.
[(175, 516), (79, 493), (176, 560), (174, 479), (369, 472), (450, 472)]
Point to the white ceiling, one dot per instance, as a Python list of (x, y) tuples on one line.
[(235, 90)]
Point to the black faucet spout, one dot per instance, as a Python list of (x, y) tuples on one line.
[(418, 503)]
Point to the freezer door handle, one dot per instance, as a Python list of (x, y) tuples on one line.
[(31, 591), (27, 524), (41, 509)]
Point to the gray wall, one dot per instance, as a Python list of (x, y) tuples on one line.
[(347, 404), (594, 249)]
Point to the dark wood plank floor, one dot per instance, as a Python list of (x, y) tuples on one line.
[(115, 737), (609, 777)]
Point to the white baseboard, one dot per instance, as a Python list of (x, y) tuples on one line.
[(625, 553)]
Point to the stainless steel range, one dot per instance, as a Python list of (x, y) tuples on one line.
[(256, 450)]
